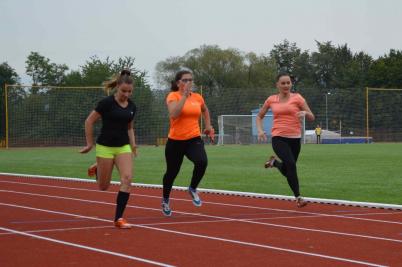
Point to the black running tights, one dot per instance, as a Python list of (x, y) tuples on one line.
[(287, 149), (175, 151)]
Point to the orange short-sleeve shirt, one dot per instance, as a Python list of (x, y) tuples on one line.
[(186, 126), (285, 123)]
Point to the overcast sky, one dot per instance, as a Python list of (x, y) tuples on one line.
[(71, 31)]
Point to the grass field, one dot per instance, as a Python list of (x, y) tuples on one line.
[(358, 172)]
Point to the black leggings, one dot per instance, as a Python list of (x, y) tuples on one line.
[(288, 149), (175, 151)]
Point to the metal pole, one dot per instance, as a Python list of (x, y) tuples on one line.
[(326, 110), (6, 111), (202, 126), (367, 117)]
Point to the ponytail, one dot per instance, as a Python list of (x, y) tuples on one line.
[(123, 77)]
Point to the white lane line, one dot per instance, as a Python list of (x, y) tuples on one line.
[(219, 192), (85, 247), (47, 221), (218, 217), (216, 203), (376, 213), (63, 229), (205, 237), (306, 212)]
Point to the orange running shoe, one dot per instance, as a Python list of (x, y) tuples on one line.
[(122, 224), (92, 170)]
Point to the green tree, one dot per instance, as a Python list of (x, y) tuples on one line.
[(214, 68), (7, 76), (386, 71), (291, 59), (43, 72)]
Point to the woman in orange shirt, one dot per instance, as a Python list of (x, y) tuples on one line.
[(288, 108), (185, 108)]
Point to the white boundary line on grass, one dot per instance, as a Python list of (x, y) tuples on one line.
[(85, 247), (234, 193), (198, 236)]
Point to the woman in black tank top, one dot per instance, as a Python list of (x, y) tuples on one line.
[(115, 146)]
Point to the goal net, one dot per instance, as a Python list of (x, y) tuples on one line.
[(383, 114), (48, 116), (34, 116), (242, 129)]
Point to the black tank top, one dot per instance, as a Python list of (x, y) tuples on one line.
[(115, 121)]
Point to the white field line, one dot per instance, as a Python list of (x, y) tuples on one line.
[(85, 247), (225, 192), (216, 217), (217, 203), (201, 236)]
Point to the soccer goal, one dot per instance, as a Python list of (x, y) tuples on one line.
[(383, 114), (242, 129)]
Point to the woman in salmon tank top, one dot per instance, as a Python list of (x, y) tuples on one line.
[(288, 110)]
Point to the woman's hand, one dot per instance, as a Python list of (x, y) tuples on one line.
[(86, 149), (134, 150), (301, 114), (262, 136), (187, 89), (210, 132)]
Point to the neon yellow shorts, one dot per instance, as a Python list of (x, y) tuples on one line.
[(111, 152)]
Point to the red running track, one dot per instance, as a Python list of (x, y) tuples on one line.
[(65, 223)]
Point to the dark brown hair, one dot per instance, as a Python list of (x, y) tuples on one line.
[(123, 77), (281, 74), (177, 78)]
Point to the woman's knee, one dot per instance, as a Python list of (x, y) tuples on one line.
[(125, 179), (125, 183), (201, 164), (290, 166)]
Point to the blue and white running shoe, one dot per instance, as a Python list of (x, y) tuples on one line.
[(166, 209), (194, 195)]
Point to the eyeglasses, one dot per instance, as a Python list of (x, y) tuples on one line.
[(186, 80)]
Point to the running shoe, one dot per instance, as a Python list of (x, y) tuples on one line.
[(122, 224), (166, 209), (270, 162), (194, 195), (300, 202)]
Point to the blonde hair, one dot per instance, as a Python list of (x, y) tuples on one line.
[(123, 77)]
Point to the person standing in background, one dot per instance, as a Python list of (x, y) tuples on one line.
[(318, 133)]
